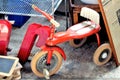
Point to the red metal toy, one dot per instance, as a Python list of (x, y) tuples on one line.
[(5, 32), (48, 61)]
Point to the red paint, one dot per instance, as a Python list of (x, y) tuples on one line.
[(49, 17), (81, 32), (33, 31), (50, 50), (5, 32)]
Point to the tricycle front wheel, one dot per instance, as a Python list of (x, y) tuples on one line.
[(39, 62), (103, 54)]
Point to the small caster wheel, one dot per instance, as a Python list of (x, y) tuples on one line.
[(103, 54), (77, 42)]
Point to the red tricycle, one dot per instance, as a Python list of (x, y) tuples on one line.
[(48, 61)]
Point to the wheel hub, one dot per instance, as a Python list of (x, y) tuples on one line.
[(104, 55), (42, 63)]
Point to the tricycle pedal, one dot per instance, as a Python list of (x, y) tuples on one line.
[(46, 73)]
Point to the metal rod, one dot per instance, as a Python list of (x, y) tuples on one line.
[(66, 14)]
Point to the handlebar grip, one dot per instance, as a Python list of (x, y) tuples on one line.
[(54, 22)]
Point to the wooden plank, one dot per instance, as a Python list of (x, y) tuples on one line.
[(18, 67), (110, 10)]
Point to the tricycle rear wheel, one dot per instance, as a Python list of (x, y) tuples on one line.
[(39, 62), (103, 54), (77, 42)]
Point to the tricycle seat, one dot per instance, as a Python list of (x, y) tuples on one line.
[(84, 28)]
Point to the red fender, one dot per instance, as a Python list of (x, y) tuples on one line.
[(5, 32), (43, 33), (33, 31), (50, 50)]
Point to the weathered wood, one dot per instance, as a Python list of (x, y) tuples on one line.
[(7, 65), (109, 11), (13, 71), (75, 8)]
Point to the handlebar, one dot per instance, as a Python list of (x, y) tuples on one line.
[(49, 17)]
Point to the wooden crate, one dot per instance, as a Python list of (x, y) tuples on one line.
[(110, 10), (10, 68)]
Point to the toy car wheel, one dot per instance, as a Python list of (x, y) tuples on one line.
[(77, 42), (38, 63), (103, 54)]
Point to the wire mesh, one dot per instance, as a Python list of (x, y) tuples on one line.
[(23, 7)]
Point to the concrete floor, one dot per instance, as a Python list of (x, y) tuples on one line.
[(79, 64)]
